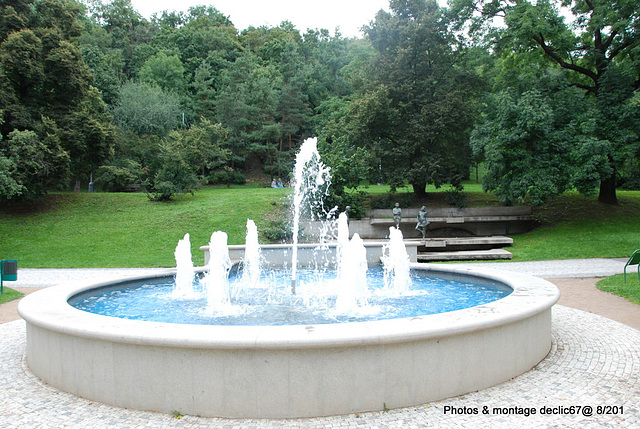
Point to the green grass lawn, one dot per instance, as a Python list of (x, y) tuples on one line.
[(126, 229), (9, 295), (573, 226), (68, 230), (616, 285)]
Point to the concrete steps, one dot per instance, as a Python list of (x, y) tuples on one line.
[(465, 255), (464, 249)]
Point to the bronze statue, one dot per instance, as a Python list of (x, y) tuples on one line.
[(397, 215), (423, 221)]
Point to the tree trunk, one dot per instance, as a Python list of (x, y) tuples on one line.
[(608, 186), (420, 189), (608, 190)]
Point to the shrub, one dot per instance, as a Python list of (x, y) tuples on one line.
[(227, 177), (455, 197), (387, 201), (355, 200), (173, 176), (119, 176), (278, 231)]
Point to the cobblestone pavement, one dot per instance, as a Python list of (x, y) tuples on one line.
[(594, 362)]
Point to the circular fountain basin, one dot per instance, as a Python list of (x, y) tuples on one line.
[(270, 301), (288, 371)]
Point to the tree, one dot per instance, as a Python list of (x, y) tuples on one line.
[(128, 30), (13, 17), (205, 37), (184, 158), (23, 75), (293, 109), (146, 109), (598, 50), (246, 104), (325, 57), (30, 165), (349, 164), (525, 146), (89, 135), (203, 88), (164, 71), (105, 62), (45, 88), (172, 176), (203, 146), (418, 116), (9, 186)]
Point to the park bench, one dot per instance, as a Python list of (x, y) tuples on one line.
[(633, 260)]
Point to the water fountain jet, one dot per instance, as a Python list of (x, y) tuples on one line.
[(311, 181), (185, 271), (216, 279), (251, 260)]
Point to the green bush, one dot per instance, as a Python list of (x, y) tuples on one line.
[(278, 231), (455, 197), (119, 176), (387, 201), (355, 200), (227, 177), (173, 176)]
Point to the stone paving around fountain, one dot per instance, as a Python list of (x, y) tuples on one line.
[(594, 362)]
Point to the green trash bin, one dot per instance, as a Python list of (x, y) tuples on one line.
[(8, 272)]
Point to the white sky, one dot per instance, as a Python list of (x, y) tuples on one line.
[(349, 15)]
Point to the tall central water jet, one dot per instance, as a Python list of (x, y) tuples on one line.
[(216, 279), (396, 264), (351, 269), (311, 182)]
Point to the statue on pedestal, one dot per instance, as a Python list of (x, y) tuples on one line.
[(397, 215), (423, 221)]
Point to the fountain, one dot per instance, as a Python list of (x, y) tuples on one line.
[(216, 279), (251, 261), (396, 263), (311, 181), (351, 269), (185, 271), (227, 363)]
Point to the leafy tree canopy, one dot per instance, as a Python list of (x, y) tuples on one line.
[(596, 45), (49, 104), (417, 114), (146, 109)]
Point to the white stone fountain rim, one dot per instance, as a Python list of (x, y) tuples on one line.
[(49, 309)]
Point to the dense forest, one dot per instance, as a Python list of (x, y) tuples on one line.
[(545, 94)]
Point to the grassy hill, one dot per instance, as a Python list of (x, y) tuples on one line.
[(67, 230)]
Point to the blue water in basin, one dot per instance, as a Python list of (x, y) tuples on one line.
[(272, 303)]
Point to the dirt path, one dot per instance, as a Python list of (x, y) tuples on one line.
[(9, 310), (582, 294), (579, 293)]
